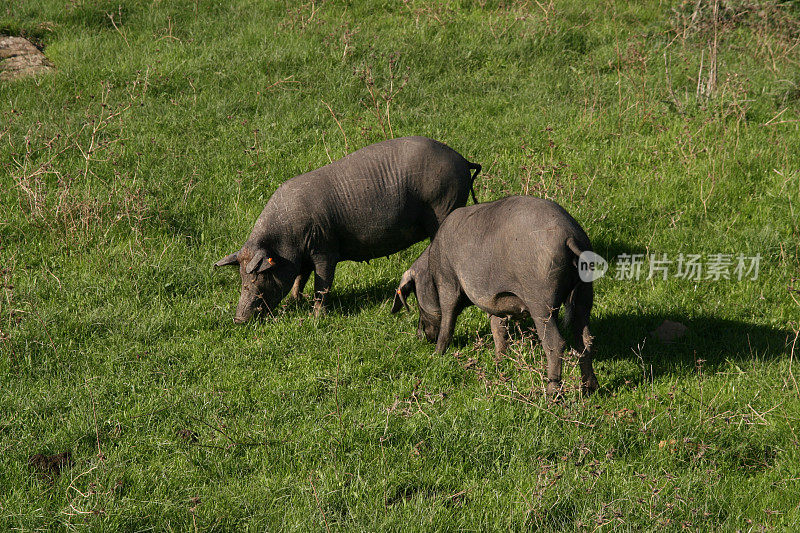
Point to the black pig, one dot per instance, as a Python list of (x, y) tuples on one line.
[(372, 203), (513, 257)]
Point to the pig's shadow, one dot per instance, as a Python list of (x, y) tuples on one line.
[(609, 250), (349, 301), (708, 345)]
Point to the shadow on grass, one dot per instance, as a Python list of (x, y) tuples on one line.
[(344, 302), (708, 342), (609, 250), (350, 301)]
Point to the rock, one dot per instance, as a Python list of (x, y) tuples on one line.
[(669, 331), (19, 58)]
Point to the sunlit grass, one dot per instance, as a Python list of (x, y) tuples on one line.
[(152, 149)]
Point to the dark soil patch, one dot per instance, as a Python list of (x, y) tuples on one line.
[(50, 465)]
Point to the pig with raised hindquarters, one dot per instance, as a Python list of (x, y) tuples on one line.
[(513, 257), (372, 203)]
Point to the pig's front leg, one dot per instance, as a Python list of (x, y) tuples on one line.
[(299, 284), (324, 270)]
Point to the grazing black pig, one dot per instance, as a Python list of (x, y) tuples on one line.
[(513, 257), (372, 203)]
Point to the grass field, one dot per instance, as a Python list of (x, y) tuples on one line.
[(663, 127)]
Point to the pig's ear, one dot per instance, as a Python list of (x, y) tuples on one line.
[(402, 292), (260, 262), (232, 259)]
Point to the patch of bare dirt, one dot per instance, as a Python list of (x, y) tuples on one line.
[(20, 58), (50, 465)]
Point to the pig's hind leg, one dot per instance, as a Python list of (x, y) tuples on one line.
[(499, 326), (578, 308), (547, 329)]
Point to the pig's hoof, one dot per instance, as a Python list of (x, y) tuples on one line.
[(499, 353), (554, 390), (589, 385)]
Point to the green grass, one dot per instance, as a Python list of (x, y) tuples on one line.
[(152, 149)]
